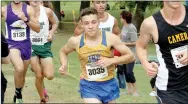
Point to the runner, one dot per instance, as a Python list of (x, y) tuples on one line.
[(97, 84), (19, 19), (48, 4), (41, 61), (107, 22), (169, 30)]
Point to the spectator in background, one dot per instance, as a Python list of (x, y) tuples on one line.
[(129, 37), (62, 13)]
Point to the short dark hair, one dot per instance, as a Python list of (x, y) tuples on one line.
[(127, 16), (88, 11)]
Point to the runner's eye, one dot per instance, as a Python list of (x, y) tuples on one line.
[(86, 23), (94, 22)]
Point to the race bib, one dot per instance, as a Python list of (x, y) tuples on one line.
[(175, 51), (18, 34), (95, 72), (37, 39)]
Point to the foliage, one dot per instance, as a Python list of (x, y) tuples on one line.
[(130, 5)]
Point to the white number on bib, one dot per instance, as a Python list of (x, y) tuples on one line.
[(95, 72), (18, 34), (175, 51)]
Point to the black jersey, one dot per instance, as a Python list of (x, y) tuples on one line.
[(170, 38)]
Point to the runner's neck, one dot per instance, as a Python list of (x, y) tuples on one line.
[(16, 7), (173, 14)]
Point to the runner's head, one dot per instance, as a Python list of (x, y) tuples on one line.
[(48, 4), (126, 17), (34, 3), (90, 21), (172, 4), (100, 5)]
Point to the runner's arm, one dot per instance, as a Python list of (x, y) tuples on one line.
[(52, 21), (127, 55), (78, 30), (116, 29), (33, 22), (3, 11), (68, 48), (143, 40)]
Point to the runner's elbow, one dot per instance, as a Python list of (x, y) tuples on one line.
[(132, 57)]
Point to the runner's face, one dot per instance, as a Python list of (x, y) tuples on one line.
[(90, 24), (122, 20), (173, 4), (34, 3), (100, 5)]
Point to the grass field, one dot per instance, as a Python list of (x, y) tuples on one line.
[(65, 88)]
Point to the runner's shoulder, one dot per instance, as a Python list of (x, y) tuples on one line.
[(148, 25), (75, 40), (149, 22), (111, 38), (30, 10), (48, 11)]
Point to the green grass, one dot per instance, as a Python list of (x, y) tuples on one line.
[(65, 88)]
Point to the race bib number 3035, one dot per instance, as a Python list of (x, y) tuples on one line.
[(95, 72), (18, 34)]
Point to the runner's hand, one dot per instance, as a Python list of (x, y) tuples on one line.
[(21, 15), (152, 69), (63, 70), (105, 62), (50, 37), (183, 57)]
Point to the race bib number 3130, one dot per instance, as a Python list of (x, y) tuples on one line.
[(95, 72), (18, 34)]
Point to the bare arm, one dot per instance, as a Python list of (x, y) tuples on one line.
[(146, 30), (116, 29), (52, 21), (33, 22), (3, 12), (130, 43), (78, 30), (126, 54), (68, 48), (143, 40)]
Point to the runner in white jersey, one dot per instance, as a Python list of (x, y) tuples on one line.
[(41, 61), (107, 21), (108, 24), (19, 19)]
